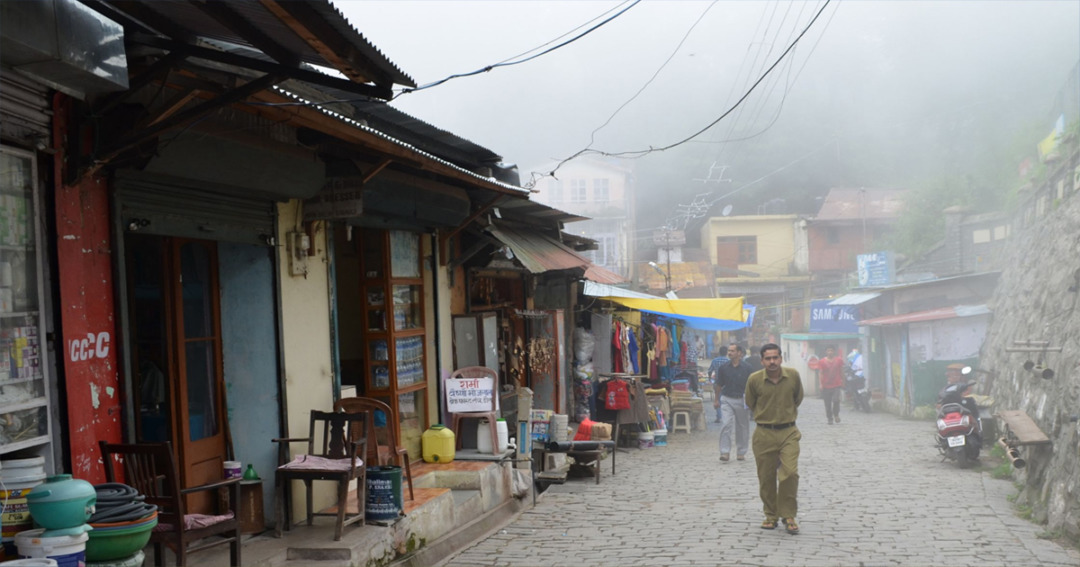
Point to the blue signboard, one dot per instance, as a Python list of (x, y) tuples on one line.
[(825, 318), (876, 268)]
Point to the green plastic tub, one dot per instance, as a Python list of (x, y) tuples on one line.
[(106, 545)]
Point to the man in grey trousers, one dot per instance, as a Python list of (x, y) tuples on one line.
[(731, 382)]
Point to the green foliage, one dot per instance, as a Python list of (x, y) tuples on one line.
[(1024, 511), (997, 452), (1002, 471), (923, 224)]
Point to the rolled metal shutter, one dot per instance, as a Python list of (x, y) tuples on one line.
[(171, 206), (25, 112)]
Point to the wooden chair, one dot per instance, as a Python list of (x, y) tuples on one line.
[(379, 452), (151, 469), (491, 415), (338, 459)]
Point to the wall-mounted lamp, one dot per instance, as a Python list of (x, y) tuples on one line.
[(137, 224)]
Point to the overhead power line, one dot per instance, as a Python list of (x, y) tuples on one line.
[(508, 63), (640, 153)]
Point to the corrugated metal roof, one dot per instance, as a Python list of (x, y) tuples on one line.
[(600, 274), (858, 204), (529, 209), (538, 253), (594, 289), (513, 188), (346, 52), (854, 298), (929, 315)]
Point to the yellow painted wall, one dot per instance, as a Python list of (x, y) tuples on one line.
[(305, 313), (775, 240)]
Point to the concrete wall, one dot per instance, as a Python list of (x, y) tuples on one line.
[(305, 313), (775, 240), (1037, 299)]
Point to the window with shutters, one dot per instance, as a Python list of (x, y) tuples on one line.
[(745, 247)]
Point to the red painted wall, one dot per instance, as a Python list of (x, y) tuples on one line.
[(87, 314)]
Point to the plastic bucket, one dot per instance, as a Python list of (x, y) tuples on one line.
[(130, 561), (68, 551), (383, 493), (660, 438), (17, 477), (37, 562), (645, 439)]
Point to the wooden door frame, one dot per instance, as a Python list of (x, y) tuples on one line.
[(177, 347)]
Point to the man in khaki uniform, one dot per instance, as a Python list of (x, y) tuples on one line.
[(773, 394)]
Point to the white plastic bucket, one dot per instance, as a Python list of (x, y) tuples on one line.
[(35, 562), (233, 469), (504, 435), (17, 477), (67, 551)]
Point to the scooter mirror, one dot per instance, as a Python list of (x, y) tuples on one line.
[(965, 370)]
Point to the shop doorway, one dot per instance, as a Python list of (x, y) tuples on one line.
[(177, 353)]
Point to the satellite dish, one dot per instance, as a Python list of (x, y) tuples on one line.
[(726, 211)]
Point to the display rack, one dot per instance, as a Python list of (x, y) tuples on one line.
[(394, 334), (24, 395)]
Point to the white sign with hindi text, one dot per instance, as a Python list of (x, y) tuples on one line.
[(464, 395)]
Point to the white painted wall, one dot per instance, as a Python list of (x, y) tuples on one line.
[(305, 312)]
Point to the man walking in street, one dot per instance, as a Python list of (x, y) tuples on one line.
[(774, 394), (730, 389), (714, 369), (831, 377)]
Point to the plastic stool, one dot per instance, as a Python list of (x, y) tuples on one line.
[(683, 423)]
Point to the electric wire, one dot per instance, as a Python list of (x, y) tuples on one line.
[(494, 66), (634, 154), (592, 136)]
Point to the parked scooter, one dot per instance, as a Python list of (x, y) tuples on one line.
[(959, 428), (857, 389)]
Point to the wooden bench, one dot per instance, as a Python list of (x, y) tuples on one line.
[(1021, 429)]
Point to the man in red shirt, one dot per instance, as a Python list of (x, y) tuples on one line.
[(831, 376)]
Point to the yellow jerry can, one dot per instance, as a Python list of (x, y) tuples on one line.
[(438, 444)]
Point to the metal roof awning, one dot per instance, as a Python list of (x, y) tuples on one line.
[(595, 289), (854, 298), (820, 336), (938, 314), (291, 33), (538, 253), (600, 274)]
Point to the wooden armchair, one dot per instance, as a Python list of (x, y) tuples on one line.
[(151, 469), (339, 459), (491, 414), (379, 452)]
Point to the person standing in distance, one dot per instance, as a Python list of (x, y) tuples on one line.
[(773, 394), (731, 387), (831, 377), (714, 378)]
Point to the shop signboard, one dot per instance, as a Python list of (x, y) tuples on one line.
[(876, 268), (465, 395), (825, 318), (341, 198)]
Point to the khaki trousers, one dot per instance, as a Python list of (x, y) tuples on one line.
[(776, 452)]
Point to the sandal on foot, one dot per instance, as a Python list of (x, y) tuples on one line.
[(791, 526), (768, 525)]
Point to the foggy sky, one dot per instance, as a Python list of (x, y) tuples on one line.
[(867, 73)]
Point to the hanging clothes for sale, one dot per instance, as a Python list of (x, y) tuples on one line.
[(635, 363), (626, 348), (616, 347), (616, 394)]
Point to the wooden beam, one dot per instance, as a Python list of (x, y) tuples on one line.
[(171, 107), (375, 170), (292, 13), (367, 142), (444, 240), (182, 119), (269, 67)]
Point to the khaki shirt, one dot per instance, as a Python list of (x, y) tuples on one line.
[(774, 404)]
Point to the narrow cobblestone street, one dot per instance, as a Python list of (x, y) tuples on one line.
[(873, 492)]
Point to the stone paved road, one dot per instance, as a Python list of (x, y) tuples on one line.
[(873, 492)]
